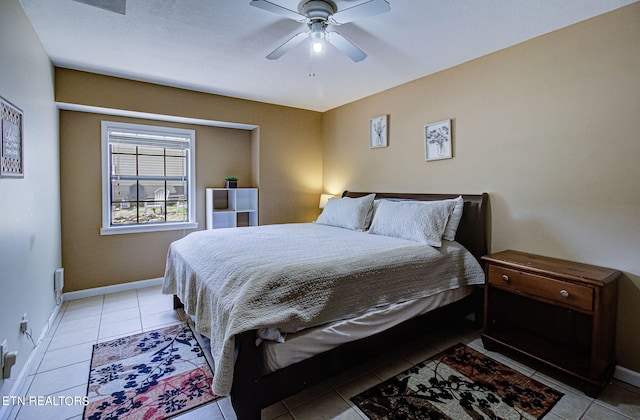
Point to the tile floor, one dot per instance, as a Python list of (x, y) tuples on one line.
[(61, 366)]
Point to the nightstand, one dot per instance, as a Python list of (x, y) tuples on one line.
[(558, 312)]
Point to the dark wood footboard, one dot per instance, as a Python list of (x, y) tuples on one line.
[(252, 391), (177, 303)]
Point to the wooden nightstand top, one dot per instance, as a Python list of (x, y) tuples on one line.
[(555, 267)]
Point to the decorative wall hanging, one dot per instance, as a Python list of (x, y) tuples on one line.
[(11, 152), (437, 140), (378, 132)]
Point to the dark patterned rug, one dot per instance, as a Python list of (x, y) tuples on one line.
[(153, 375), (459, 383)]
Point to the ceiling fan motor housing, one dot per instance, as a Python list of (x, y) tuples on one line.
[(317, 9)]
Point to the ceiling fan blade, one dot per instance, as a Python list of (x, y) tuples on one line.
[(282, 49), (277, 9), (117, 6), (362, 10), (346, 46)]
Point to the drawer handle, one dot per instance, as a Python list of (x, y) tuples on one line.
[(564, 293), (505, 278)]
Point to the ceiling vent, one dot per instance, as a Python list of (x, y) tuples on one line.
[(117, 6)]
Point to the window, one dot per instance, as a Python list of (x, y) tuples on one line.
[(148, 178)]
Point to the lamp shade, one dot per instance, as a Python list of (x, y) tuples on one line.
[(324, 198)]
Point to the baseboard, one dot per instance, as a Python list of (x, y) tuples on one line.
[(97, 291), (627, 375), (19, 388)]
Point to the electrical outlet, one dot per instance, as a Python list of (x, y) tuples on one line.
[(3, 350), (24, 324)]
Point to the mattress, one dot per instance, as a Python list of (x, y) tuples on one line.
[(312, 341)]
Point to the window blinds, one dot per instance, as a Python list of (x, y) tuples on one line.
[(149, 139)]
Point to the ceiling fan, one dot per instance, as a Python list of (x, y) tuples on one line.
[(318, 15)]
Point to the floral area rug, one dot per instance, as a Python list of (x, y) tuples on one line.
[(459, 383), (153, 375)]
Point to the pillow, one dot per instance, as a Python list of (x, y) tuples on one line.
[(454, 220), (420, 221), (346, 212)]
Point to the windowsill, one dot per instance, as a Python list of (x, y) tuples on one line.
[(159, 227)]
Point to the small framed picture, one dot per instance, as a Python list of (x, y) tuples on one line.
[(378, 132), (11, 152), (437, 140)]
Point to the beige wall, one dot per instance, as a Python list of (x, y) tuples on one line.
[(29, 206), (282, 157), (549, 128), (91, 260)]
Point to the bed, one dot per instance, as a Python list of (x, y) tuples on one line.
[(289, 286)]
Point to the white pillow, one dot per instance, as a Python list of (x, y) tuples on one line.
[(346, 212), (454, 220), (420, 221)]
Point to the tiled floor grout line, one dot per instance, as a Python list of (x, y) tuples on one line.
[(139, 308), (99, 324)]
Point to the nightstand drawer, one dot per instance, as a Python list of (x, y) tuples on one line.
[(556, 290)]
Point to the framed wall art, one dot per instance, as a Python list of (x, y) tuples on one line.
[(437, 140), (11, 150), (378, 132)]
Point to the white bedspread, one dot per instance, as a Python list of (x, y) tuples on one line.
[(300, 275)]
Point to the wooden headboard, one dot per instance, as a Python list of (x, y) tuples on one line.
[(472, 231)]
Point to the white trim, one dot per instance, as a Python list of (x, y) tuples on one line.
[(19, 387), (150, 116), (627, 375), (106, 228), (152, 227), (97, 291)]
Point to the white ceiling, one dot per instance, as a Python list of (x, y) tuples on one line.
[(219, 46)]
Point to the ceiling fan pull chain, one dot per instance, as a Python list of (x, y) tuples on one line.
[(311, 72)]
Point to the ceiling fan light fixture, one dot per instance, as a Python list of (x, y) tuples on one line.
[(317, 39), (317, 47)]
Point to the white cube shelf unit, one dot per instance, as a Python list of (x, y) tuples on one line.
[(231, 207)]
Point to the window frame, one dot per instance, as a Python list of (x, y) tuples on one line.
[(190, 223)]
